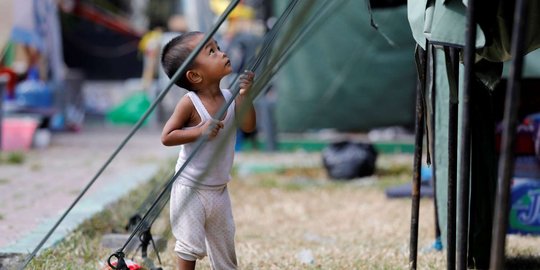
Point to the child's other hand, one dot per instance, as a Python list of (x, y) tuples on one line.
[(246, 80), (211, 128)]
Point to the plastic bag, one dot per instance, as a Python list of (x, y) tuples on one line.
[(129, 111), (347, 160)]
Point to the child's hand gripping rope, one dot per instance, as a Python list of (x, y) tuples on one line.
[(246, 81), (211, 128)]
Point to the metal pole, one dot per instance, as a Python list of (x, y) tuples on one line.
[(3, 81), (419, 134), (465, 145), (452, 58), (432, 75), (506, 159)]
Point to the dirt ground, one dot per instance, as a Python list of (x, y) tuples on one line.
[(296, 218), (289, 215)]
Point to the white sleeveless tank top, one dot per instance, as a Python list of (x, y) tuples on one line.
[(211, 166)]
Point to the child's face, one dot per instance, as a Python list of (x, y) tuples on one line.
[(211, 62)]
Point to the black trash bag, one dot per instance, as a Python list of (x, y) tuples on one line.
[(348, 160)]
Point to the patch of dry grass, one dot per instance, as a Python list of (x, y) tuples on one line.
[(293, 217)]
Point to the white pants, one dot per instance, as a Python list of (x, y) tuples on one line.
[(201, 221)]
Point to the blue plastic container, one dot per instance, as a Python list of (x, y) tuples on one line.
[(33, 92)]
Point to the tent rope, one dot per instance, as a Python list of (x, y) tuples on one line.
[(271, 37), (274, 63), (254, 63), (136, 127)]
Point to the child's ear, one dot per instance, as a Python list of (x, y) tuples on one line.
[(193, 77)]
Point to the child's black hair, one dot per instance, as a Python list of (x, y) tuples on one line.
[(173, 56)]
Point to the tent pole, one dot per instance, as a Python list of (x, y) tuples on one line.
[(433, 87), (419, 135), (453, 58), (506, 159), (465, 145)]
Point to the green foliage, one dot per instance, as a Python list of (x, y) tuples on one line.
[(12, 158)]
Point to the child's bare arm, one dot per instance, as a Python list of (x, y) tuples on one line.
[(248, 119), (173, 134)]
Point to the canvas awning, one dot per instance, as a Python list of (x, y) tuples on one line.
[(443, 22)]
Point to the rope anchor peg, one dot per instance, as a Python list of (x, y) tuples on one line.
[(146, 238), (120, 263), (132, 223)]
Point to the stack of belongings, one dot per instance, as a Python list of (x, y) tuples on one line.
[(524, 215)]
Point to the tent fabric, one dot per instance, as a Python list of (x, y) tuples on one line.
[(498, 49), (531, 66), (347, 76), (440, 22), (443, 22), (483, 163)]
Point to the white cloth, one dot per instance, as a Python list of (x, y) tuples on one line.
[(211, 165), (202, 222)]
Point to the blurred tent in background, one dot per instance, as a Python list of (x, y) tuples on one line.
[(35, 31), (347, 75), (100, 40), (6, 21), (34, 59)]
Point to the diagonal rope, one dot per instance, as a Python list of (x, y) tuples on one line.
[(269, 39), (306, 33), (204, 138), (199, 47), (160, 202), (275, 63), (376, 27)]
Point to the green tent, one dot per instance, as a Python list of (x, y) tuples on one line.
[(442, 23), (349, 76)]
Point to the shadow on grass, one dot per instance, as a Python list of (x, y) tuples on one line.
[(519, 263)]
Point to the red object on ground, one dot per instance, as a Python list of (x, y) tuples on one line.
[(12, 80), (130, 264)]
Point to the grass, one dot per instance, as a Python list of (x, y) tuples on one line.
[(4, 181), (283, 213), (12, 158)]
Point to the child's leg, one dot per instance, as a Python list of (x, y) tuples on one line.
[(187, 223), (220, 231), (186, 265)]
